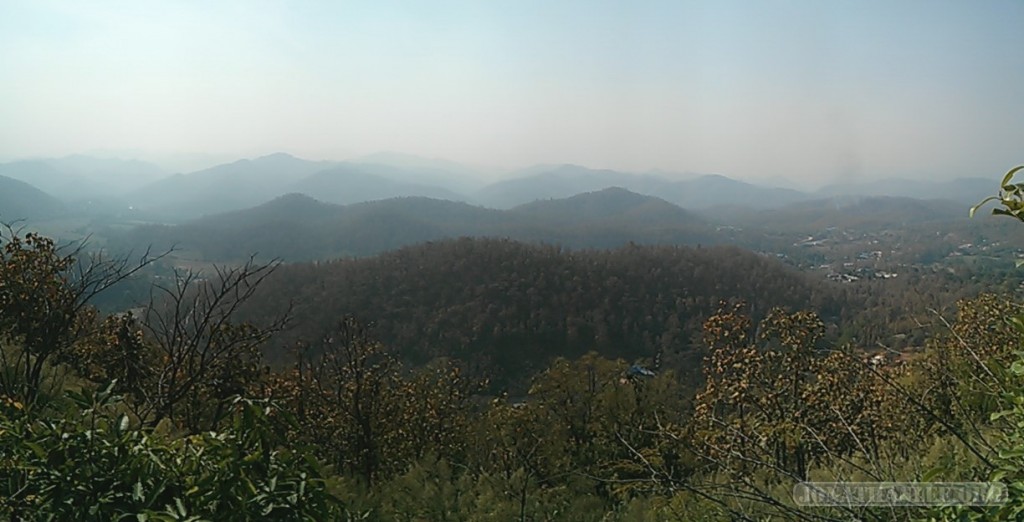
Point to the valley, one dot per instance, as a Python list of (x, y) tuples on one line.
[(563, 298), (885, 264)]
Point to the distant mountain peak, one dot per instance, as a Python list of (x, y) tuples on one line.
[(618, 190), (614, 193), (289, 208), (611, 203), (277, 156), (295, 197), (567, 168), (720, 178)]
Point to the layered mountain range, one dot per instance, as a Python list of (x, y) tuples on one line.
[(82, 184)]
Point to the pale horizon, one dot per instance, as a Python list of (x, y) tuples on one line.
[(810, 92)]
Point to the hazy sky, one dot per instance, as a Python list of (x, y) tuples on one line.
[(813, 90)]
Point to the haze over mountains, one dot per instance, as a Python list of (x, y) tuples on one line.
[(566, 180), (962, 189), (88, 185), (76, 178)]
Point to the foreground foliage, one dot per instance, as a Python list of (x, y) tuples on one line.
[(92, 464)]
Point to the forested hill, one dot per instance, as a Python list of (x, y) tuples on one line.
[(507, 308), (298, 228)]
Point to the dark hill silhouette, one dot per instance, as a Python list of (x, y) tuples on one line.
[(296, 227), (291, 208), (453, 214), (22, 201), (614, 203)]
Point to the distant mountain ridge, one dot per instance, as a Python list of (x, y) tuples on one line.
[(115, 187), (76, 178), (298, 227), (543, 182), (615, 203), (711, 190), (348, 183), (960, 189), (230, 186), (859, 212), (560, 181), (443, 173), (49, 179)]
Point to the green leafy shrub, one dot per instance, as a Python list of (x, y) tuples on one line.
[(93, 465)]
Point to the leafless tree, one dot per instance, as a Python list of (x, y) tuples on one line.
[(202, 356)]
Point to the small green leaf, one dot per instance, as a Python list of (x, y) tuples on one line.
[(932, 473), (1009, 175), (37, 449), (979, 205), (999, 414), (1011, 453), (1017, 367)]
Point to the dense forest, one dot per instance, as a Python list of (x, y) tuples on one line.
[(489, 379), (506, 309)]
